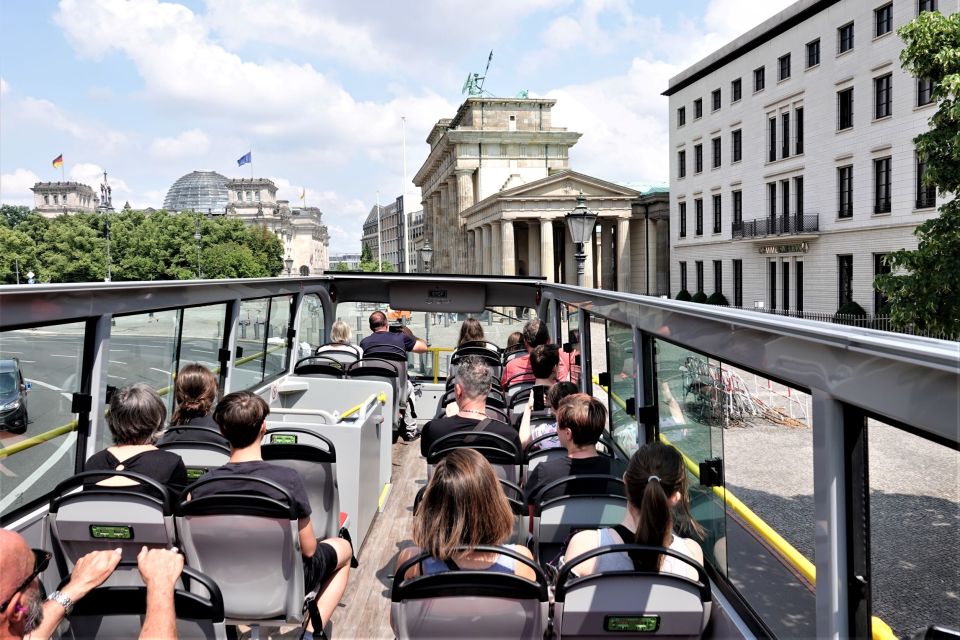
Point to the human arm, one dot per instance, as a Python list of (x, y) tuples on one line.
[(419, 346), (580, 543), (521, 569), (160, 569), (89, 573), (525, 422), (406, 554), (308, 541)]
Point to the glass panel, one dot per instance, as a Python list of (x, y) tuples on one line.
[(202, 336), (310, 332), (914, 507), (142, 349), (570, 331), (39, 372), (252, 341), (624, 369), (277, 353)]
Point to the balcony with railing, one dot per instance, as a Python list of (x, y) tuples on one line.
[(790, 225)]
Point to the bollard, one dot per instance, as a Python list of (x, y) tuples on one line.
[(243, 330), (256, 330), (218, 329)]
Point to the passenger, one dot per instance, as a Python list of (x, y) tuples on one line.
[(24, 612), (242, 419), (513, 340), (528, 434), (471, 387), (463, 505), (195, 392), (543, 365), (569, 359), (656, 485), (470, 331), (534, 334), (580, 423), (136, 420), (341, 337)]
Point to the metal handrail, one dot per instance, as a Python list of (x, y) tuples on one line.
[(794, 223)]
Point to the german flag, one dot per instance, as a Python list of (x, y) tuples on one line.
[(58, 161)]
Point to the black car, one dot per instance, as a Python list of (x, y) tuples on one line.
[(13, 397)]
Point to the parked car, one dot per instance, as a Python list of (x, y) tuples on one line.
[(13, 396)]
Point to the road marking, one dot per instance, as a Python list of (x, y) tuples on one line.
[(143, 346), (65, 446), (201, 351), (117, 362), (66, 395), (116, 377), (161, 371), (60, 355), (29, 361), (19, 353)]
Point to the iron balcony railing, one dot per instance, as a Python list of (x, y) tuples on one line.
[(780, 225)]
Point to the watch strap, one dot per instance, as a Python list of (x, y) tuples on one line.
[(63, 600)]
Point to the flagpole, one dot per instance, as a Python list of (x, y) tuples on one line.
[(379, 245), (403, 194)]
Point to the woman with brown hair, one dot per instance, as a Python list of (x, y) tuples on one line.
[(463, 506), (195, 394), (470, 331)]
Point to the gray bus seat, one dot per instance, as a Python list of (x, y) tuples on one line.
[(119, 612), (470, 604), (491, 358), (322, 366), (500, 451), (344, 354), (198, 456), (518, 402), (632, 603), (518, 505), (85, 517), (385, 370), (249, 545), (314, 458), (514, 352)]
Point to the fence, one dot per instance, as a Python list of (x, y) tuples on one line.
[(881, 323)]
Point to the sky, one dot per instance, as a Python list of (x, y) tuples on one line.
[(317, 89)]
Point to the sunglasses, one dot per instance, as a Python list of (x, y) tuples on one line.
[(41, 559)]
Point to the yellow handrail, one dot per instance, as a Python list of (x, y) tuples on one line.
[(379, 397), (436, 351)]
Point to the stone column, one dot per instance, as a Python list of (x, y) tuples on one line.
[(533, 249), (608, 258), (650, 261), (464, 180), (546, 249), (624, 275), (433, 237), (487, 251), (441, 252), (508, 249), (589, 248), (471, 264), (496, 254), (455, 237)]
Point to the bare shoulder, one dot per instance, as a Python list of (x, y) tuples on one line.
[(695, 551), (407, 554)]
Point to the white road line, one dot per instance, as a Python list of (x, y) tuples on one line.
[(67, 444), (143, 346), (116, 377), (60, 355), (29, 361), (161, 371), (18, 353), (117, 362), (201, 351), (65, 394)]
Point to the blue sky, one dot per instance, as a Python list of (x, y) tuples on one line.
[(152, 90)]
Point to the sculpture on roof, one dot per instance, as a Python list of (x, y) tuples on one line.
[(473, 86)]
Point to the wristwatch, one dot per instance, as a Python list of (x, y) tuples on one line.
[(63, 600)]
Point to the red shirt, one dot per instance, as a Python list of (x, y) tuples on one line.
[(522, 365)]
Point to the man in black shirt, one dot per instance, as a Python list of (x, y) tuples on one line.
[(471, 388)]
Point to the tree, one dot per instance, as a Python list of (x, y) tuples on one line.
[(923, 288), (19, 253), (341, 266), (11, 216)]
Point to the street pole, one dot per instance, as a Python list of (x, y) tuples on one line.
[(403, 193), (581, 258), (109, 274), (379, 241), (16, 264), (196, 236)]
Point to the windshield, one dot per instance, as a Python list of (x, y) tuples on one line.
[(8, 383)]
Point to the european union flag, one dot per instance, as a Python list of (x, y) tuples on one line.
[(245, 159)]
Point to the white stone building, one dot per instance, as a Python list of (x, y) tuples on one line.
[(791, 158), (51, 199)]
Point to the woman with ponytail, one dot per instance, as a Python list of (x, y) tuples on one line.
[(195, 394), (656, 486)]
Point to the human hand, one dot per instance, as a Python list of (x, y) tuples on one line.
[(159, 567), (90, 572)]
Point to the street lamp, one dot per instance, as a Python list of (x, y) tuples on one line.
[(288, 263), (426, 253), (196, 236), (580, 222)]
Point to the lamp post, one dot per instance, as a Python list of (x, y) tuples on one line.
[(580, 222), (426, 253), (288, 263), (196, 236)]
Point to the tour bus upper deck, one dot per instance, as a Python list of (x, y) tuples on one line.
[(747, 397)]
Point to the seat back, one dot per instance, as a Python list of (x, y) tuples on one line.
[(516, 384), (249, 545), (537, 452), (514, 352), (344, 354), (631, 603), (469, 604), (320, 366), (85, 517), (517, 403), (198, 456), (590, 501), (500, 451), (119, 612), (492, 358), (314, 458)]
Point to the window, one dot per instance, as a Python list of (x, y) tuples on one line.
[(799, 286), (783, 66), (883, 20), (773, 285), (879, 268), (798, 199), (56, 199), (813, 53), (772, 155), (716, 152), (718, 276), (697, 158), (784, 199), (845, 191), (798, 116), (682, 163), (46, 198), (683, 219), (881, 185), (926, 5), (699, 265), (736, 90), (924, 91), (698, 108), (698, 216), (786, 286), (737, 206), (738, 283), (758, 79), (717, 213), (785, 128), (256, 196), (736, 144), (772, 201), (845, 109), (926, 194), (882, 96), (715, 99), (683, 276), (845, 279), (845, 38), (681, 116)]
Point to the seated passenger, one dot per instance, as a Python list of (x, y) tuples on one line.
[(471, 388), (340, 340), (470, 331), (513, 340), (656, 484), (242, 419), (535, 333), (463, 505), (580, 423), (195, 392), (136, 420), (528, 434)]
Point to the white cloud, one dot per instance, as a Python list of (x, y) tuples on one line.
[(15, 187), (190, 143), (4, 87), (44, 113), (92, 175), (727, 19)]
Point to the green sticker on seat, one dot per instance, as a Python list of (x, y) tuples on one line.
[(631, 624)]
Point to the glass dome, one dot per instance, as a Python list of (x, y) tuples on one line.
[(198, 191)]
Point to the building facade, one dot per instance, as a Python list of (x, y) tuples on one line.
[(52, 199), (372, 231), (792, 164), (415, 241), (351, 260)]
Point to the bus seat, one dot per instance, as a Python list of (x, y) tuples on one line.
[(118, 612), (491, 358), (85, 517), (314, 458), (386, 370), (198, 457), (249, 545), (322, 366), (469, 604), (518, 505), (631, 603), (517, 403), (514, 352), (344, 356), (501, 452), (534, 454), (590, 501)]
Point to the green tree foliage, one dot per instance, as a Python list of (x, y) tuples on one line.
[(684, 296), (699, 296), (19, 252), (11, 216), (718, 298), (924, 287), (341, 266)]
